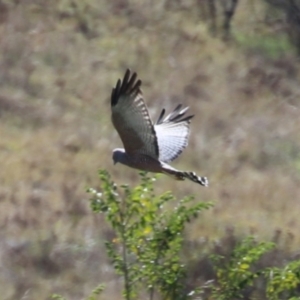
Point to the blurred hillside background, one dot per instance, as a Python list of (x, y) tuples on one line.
[(235, 63)]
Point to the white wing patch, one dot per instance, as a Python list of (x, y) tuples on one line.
[(172, 139), (172, 134)]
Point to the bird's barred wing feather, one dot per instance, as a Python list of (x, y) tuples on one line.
[(131, 118), (172, 133)]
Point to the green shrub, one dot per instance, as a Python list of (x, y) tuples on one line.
[(235, 273), (283, 283), (148, 243), (149, 236)]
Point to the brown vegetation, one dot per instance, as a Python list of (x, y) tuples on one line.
[(58, 63)]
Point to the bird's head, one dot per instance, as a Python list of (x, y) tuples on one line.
[(118, 154)]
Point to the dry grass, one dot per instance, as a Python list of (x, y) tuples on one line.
[(58, 64)]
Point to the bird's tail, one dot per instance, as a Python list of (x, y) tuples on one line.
[(180, 175), (198, 179)]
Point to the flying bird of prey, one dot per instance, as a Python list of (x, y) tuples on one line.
[(147, 146)]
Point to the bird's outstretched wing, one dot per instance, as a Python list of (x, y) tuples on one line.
[(172, 133), (131, 118)]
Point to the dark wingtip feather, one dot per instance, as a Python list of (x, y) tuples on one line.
[(115, 93), (177, 108), (112, 95), (127, 86), (161, 116), (176, 116), (125, 81), (136, 87)]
